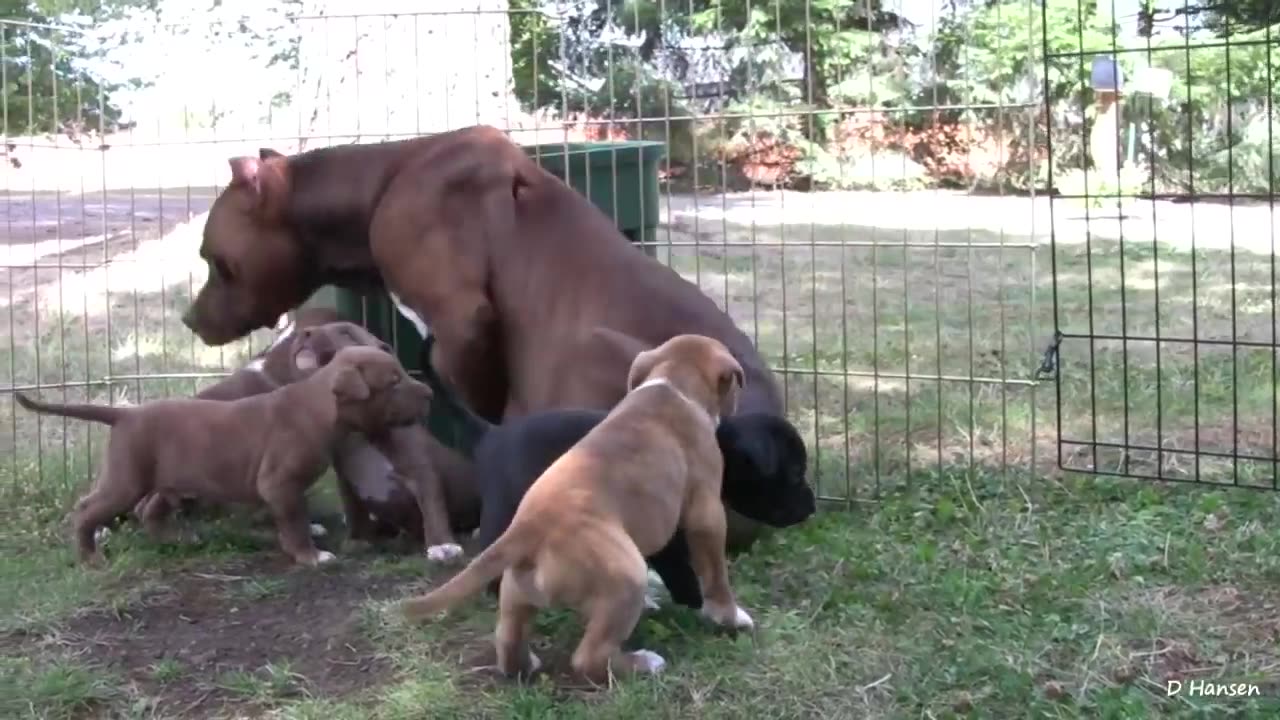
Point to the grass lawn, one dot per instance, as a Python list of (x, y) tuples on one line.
[(984, 582)]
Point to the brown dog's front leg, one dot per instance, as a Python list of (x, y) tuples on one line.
[(412, 468), (289, 510), (469, 355), (704, 528)]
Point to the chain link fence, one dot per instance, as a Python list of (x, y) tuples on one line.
[(900, 203)]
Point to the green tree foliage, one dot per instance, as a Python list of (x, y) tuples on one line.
[(984, 66), (46, 86), (1218, 131), (842, 48)]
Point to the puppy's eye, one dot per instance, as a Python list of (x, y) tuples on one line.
[(221, 269)]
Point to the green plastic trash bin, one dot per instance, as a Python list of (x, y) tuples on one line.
[(620, 178)]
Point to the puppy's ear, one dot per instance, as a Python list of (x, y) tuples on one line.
[(641, 367), (349, 384), (729, 382), (268, 153), (305, 360)]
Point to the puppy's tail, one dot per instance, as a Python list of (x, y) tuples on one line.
[(104, 414), (470, 428), (510, 548)]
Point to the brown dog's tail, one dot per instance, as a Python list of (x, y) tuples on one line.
[(514, 545), (104, 414)]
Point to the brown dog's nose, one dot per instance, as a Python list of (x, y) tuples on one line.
[(188, 319)]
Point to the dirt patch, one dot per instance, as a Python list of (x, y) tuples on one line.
[(1216, 632), (246, 633)]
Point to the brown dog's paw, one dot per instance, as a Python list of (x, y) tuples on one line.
[(319, 557), (647, 661), (732, 617), (444, 552)]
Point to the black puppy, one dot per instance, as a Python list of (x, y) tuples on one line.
[(764, 481)]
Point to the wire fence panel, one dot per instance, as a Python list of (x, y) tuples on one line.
[(1164, 249), (862, 186)]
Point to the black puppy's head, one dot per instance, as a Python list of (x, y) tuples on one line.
[(764, 469)]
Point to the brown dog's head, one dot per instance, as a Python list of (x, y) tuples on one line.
[(314, 347), (256, 268), (373, 392), (696, 364)]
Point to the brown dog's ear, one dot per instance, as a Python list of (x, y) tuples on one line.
[(349, 384), (246, 171), (641, 367), (268, 153), (729, 381), (266, 177), (305, 360)]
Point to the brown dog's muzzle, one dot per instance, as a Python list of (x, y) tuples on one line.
[(214, 329)]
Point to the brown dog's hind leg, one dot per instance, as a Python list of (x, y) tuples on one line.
[(108, 499), (511, 637), (154, 511), (611, 618), (704, 526), (289, 510)]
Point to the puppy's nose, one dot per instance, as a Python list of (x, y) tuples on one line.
[(188, 319)]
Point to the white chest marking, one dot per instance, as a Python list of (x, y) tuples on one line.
[(377, 487), (412, 316)]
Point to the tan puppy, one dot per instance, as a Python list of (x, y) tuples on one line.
[(264, 449), (581, 533)]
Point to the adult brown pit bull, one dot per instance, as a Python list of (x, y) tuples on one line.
[(507, 264), (581, 533), (264, 449)]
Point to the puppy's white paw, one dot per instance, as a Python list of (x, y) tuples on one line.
[(648, 661), (101, 535), (318, 530), (535, 663), (731, 617), (651, 602), (325, 556), (444, 552)]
